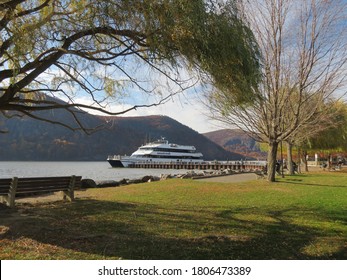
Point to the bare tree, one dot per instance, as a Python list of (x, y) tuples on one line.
[(303, 50), (98, 49)]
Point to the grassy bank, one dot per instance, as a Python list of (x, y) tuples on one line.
[(299, 217)]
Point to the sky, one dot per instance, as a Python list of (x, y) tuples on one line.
[(184, 106), (187, 109)]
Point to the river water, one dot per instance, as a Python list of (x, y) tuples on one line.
[(96, 170)]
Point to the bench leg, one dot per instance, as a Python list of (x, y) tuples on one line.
[(70, 192), (12, 193)]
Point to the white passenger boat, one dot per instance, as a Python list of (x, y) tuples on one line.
[(160, 151)]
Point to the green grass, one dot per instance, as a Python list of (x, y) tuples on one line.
[(299, 217)]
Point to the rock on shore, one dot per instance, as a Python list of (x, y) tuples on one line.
[(89, 183)]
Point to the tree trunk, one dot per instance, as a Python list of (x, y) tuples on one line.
[(271, 161), (299, 160), (330, 161), (304, 160), (290, 165)]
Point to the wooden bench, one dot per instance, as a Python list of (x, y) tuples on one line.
[(12, 188)]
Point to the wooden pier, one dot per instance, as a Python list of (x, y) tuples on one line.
[(206, 165)]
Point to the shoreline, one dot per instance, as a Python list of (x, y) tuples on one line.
[(217, 178)]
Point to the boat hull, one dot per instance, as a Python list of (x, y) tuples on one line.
[(115, 163)]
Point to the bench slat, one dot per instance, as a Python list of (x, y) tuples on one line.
[(43, 178), (24, 188), (23, 182), (42, 184), (46, 190), (19, 188), (5, 186), (47, 181), (5, 180)]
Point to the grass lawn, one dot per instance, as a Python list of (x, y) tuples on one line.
[(298, 217)]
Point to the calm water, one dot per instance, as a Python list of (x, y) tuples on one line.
[(97, 171)]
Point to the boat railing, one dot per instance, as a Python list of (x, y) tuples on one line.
[(239, 162), (114, 157), (215, 162)]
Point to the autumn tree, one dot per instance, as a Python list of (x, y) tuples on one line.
[(98, 49), (332, 139), (328, 117), (303, 58)]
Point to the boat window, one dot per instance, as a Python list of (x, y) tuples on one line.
[(157, 149), (171, 157)]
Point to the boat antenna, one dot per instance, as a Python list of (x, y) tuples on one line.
[(148, 138)]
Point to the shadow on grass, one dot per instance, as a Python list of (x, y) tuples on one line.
[(296, 181), (136, 231), (313, 185)]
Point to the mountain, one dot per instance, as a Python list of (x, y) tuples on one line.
[(30, 139), (236, 141)]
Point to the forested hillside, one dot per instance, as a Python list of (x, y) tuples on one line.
[(29, 139), (236, 141)]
